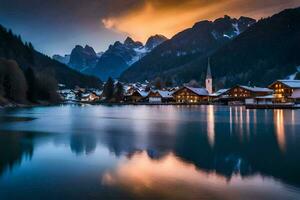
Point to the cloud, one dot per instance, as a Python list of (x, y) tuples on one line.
[(171, 16)]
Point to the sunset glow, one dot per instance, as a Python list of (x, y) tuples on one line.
[(170, 18)]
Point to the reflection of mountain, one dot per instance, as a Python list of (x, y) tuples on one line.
[(84, 143), (14, 146)]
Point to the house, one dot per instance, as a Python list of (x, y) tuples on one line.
[(136, 96), (160, 96), (191, 95), (286, 91), (239, 93), (90, 97)]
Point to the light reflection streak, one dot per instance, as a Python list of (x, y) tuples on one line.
[(230, 119), (279, 127), (211, 125), (248, 123), (241, 121)]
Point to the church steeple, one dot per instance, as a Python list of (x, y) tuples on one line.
[(208, 81), (208, 75)]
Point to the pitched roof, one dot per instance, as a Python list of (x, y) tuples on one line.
[(165, 94), (256, 89), (219, 92), (291, 83), (143, 93), (199, 91)]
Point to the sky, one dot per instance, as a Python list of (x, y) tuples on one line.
[(56, 26)]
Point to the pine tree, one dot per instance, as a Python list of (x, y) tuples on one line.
[(108, 90), (31, 82), (158, 83), (119, 92)]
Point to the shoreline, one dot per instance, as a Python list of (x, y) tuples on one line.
[(272, 107), (44, 104)]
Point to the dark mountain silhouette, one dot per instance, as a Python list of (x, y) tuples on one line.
[(112, 62), (82, 58), (267, 51), (199, 41), (154, 41)]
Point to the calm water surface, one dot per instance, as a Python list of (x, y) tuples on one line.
[(149, 152)]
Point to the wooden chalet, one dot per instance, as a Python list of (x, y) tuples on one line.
[(191, 95), (136, 96), (239, 93), (286, 91)]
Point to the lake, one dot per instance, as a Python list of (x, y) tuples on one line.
[(149, 152)]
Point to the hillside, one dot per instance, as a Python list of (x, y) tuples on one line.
[(12, 47), (196, 42), (267, 51)]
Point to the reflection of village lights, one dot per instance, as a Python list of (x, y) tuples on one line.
[(230, 119), (279, 126), (248, 121), (211, 125)]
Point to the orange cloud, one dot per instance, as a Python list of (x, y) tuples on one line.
[(150, 20), (170, 17), (171, 178)]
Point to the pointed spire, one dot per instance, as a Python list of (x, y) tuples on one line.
[(208, 75)]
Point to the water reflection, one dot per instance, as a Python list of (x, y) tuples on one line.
[(211, 125), (83, 144), (207, 152), (14, 148), (279, 127), (172, 178)]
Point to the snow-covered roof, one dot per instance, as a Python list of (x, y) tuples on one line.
[(256, 89), (219, 92), (265, 97), (98, 92), (165, 94), (143, 93), (291, 83), (85, 95), (199, 91)]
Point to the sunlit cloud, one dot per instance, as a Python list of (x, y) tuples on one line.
[(171, 178), (171, 17)]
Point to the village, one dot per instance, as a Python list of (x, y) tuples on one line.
[(279, 94)]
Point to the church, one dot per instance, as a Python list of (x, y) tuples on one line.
[(208, 80), (193, 95)]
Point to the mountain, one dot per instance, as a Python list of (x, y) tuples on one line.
[(113, 61), (267, 51), (154, 41), (120, 56), (199, 41), (62, 59), (82, 58), (12, 47)]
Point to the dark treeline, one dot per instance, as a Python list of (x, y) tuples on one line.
[(12, 47), (113, 92), (25, 87)]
